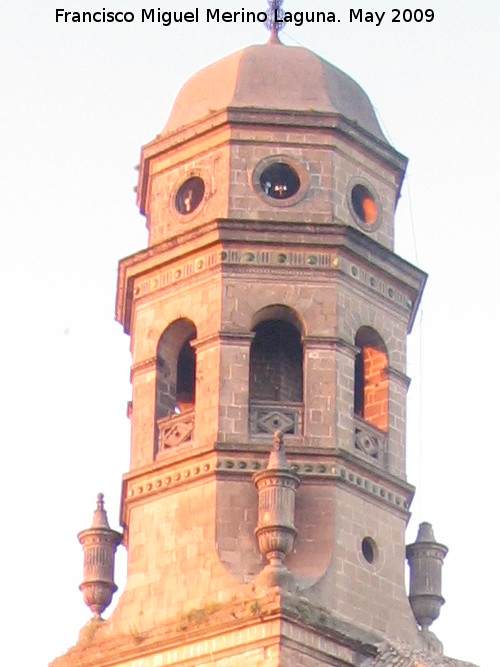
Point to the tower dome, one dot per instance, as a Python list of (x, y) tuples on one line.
[(273, 77)]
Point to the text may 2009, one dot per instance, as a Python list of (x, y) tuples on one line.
[(214, 15)]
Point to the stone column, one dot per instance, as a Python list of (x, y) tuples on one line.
[(234, 386), (398, 389)]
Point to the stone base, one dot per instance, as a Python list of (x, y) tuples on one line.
[(274, 576)]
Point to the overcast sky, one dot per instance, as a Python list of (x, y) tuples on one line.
[(77, 102)]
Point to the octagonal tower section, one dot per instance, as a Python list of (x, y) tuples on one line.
[(269, 298)]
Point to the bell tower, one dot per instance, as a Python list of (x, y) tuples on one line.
[(269, 312)]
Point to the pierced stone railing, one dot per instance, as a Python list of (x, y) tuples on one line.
[(267, 417), (369, 440), (175, 430)]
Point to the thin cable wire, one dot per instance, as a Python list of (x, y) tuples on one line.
[(285, 34), (420, 333), (420, 362), (420, 414)]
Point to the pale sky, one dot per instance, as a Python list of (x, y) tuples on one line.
[(77, 102)]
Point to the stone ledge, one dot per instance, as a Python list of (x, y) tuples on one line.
[(217, 630)]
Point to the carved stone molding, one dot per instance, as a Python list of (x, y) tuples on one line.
[(399, 377), (376, 284), (370, 441), (167, 476), (241, 338), (330, 342), (175, 272), (143, 366), (305, 261), (174, 431), (172, 474), (324, 471), (281, 258), (266, 417)]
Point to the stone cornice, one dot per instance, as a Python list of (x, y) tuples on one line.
[(227, 337), (308, 249), (329, 342), (144, 366), (227, 461), (384, 493), (399, 377)]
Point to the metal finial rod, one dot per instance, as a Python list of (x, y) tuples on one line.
[(274, 21)]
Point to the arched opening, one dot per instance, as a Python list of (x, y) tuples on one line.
[(371, 381), (276, 378), (175, 384), (186, 373)]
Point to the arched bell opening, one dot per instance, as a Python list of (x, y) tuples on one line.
[(276, 374), (175, 385), (371, 394), (186, 374)]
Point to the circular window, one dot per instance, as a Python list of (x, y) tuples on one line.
[(279, 181), (190, 195), (365, 207), (369, 549)]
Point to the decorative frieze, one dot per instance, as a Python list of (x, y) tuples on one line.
[(278, 258), (175, 272), (178, 474), (376, 284), (158, 481)]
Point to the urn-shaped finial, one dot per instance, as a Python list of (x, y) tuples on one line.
[(425, 558), (99, 544), (276, 486)]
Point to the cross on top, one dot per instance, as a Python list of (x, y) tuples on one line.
[(274, 12)]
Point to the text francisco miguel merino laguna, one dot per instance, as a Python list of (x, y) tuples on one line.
[(213, 15)]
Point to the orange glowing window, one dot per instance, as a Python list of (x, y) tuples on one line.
[(364, 204), (371, 382)]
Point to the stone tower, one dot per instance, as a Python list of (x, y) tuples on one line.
[(269, 299)]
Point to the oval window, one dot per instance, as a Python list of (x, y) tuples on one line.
[(364, 205), (279, 181), (190, 195), (369, 549)]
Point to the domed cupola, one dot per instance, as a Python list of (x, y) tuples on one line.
[(273, 77), (270, 133)]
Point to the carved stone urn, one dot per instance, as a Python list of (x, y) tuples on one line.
[(425, 558), (276, 486), (99, 544)]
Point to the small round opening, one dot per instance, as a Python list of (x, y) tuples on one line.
[(369, 549), (190, 195), (279, 181), (364, 204)]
